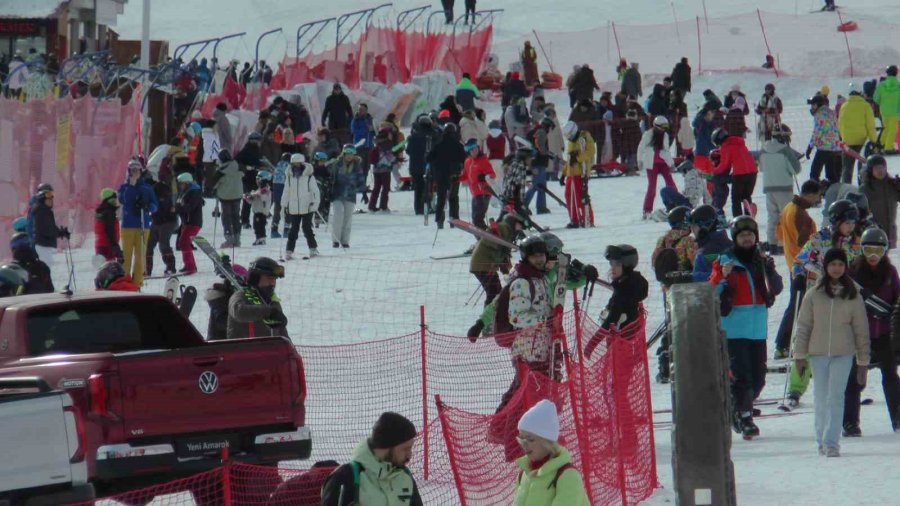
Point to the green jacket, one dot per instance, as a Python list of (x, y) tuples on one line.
[(535, 488), (489, 256), (380, 483), (574, 280), (887, 96)]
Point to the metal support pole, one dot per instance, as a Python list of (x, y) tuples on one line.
[(256, 56), (216, 45)]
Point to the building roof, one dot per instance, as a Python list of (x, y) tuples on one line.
[(24, 9)]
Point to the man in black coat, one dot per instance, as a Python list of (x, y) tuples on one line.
[(584, 83), (681, 77), (338, 113), (447, 159), (514, 88), (250, 159), (631, 81), (420, 142)]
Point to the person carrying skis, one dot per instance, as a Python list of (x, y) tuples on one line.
[(39, 280), (138, 204), (255, 310), (111, 276), (580, 152), (217, 296), (106, 226), (654, 158), (488, 258), (874, 272), (446, 160), (300, 201), (736, 160), (831, 329), (346, 181), (475, 173), (189, 207), (825, 139), (711, 242), (747, 284), (779, 166), (260, 201)]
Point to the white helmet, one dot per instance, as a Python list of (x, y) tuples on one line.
[(660, 121), (853, 87), (570, 130), (298, 159)]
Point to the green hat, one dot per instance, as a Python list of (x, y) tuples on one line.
[(106, 194)]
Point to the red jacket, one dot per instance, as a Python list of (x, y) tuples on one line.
[(105, 221), (123, 284), (474, 168), (737, 157), (496, 147)]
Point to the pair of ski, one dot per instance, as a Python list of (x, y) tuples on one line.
[(182, 296), (588, 209)]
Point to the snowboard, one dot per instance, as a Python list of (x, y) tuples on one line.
[(450, 257), (481, 234), (222, 264), (172, 288), (186, 300)]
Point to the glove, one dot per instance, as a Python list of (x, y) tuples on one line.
[(770, 265), (276, 318), (482, 177), (139, 203), (216, 213), (591, 274), (562, 180), (800, 364), (63, 233), (808, 151), (861, 373)]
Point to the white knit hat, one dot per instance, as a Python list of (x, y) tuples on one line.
[(541, 420)]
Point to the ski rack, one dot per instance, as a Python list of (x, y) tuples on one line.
[(180, 50), (403, 24), (216, 45), (356, 16), (256, 56), (430, 16), (476, 24), (306, 28)]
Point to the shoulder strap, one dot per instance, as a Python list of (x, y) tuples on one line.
[(559, 472), (356, 467)]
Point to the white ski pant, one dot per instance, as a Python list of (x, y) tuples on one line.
[(775, 202), (341, 220), (829, 382), (48, 256)]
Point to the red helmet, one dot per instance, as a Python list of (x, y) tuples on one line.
[(444, 114)]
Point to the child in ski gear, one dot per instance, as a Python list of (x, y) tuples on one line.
[(737, 161), (695, 184), (111, 276), (711, 242), (12, 280), (678, 238), (377, 472), (825, 139), (260, 201), (874, 272), (346, 181), (229, 190), (654, 158), (546, 475), (278, 177), (138, 204), (779, 167), (39, 280), (255, 310), (106, 226), (580, 153), (300, 200), (795, 228), (882, 194), (46, 232), (476, 170), (189, 207), (856, 124), (383, 160), (747, 284), (831, 329)]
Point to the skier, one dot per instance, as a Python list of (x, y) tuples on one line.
[(681, 76), (882, 194), (825, 139), (189, 207), (538, 137), (779, 166), (39, 280), (12, 280), (711, 242), (362, 127), (337, 114), (162, 222), (475, 173), (446, 160), (488, 257), (887, 96), (256, 310), (874, 272), (300, 201), (737, 161), (496, 147), (217, 296), (856, 124), (580, 152), (515, 170), (629, 290), (518, 120), (419, 143), (769, 110), (654, 157), (138, 204), (546, 475), (383, 161), (106, 226), (795, 228), (831, 329), (323, 179), (250, 161), (111, 276), (346, 181), (229, 191), (260, 200), (747, 284), (466, 92), (45, 231)]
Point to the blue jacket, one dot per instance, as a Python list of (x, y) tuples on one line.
[(280, 173), (703, 131), (363, 128), (748, 298), (347, 179), (128, 194), (29, 219), (708, 251)]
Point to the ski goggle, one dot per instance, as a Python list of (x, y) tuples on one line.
[(874, 250)]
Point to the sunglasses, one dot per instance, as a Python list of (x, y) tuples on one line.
[(48, 195), (873, 250)]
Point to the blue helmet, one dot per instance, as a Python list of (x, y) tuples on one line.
[(264, 175)]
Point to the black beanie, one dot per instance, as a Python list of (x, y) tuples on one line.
[(391, 430), (835, 254)]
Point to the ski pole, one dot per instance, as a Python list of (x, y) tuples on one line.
[(474, 295), (787, 377)]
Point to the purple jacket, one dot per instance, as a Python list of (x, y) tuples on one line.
[(884, 283)]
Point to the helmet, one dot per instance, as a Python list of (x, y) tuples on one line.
[(264, 175), (661, 122), (624, 254), (859, 200), (853, 87), (554, 244), (891, 70), (255, 136), (108, 272), (817, 100), (680, 217), (570, 130), (874, 236), (264, 266), (532, 245), (874, 160), (13, 278), (298, 159), (320, 156), (348, 149), (224, 155), (424, 121), (719, 135), (741, 224), (185, 177), (842, 210), (44, 187), (705, 217), (450, 128), (20, 224)]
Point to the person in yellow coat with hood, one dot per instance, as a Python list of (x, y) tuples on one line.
[(546, 477), (580, 153), (856, 123)]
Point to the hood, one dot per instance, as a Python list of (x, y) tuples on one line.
[(308, 170), (659, 89), (733, 141), (550, 467), (773, 146)]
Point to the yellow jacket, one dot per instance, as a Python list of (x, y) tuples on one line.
[(857, 121), (585, 150), (795, 228)]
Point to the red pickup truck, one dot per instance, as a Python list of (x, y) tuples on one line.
[(155, 397)]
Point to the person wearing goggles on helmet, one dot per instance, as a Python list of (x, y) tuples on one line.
[(255, 310), (711, 242)]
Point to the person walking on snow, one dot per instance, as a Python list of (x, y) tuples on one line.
[(539, 138), (300, 201), (470, 11), (735, 159), (528, 57), (260, 201), (769, 110), (255, 311), (856, 124), (383, 160), (229, 191), (476, 171), (466, 92), (779, 166), (883, 194), (887, 96), (681, 77), (189, 207), (446, 161), (825, 139), (631, 81), (347, 180), (138, 203), (831, 328), (106, 226), (337, 114), (654, 158), (579, 160)]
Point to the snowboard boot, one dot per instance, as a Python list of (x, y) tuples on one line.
[(749, 429), (260, 242), (274, 234), (475, 331), (313, 252), (335, 245), (288, 255), (851, 430)]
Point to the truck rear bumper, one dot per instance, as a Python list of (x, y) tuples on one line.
[(35, 497), (127, 460)]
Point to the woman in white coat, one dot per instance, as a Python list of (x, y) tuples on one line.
[(655, 159), (300, 201)]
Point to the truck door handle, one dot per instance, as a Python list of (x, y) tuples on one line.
[(207, 361)]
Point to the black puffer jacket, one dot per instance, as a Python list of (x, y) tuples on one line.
[(45, 230)]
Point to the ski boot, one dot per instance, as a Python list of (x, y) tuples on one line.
[(313, 252), (745, 427), (335, 245), (851, 430), (288, 255), (260, 242), (793, 400), (274, 234)]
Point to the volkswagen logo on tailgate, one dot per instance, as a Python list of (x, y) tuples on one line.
[(209, 382)]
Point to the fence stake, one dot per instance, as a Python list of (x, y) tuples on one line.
[(616, 35), (422, 328), (675, 19), (699, 49), (846, 40), (226, 478), (445, 428), (580, 415), (705, 17), (765, 39)]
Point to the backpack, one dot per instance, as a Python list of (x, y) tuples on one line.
[(563, 468), (504, 332), (520, 112)]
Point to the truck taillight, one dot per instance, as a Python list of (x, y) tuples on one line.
[(297, 366), (99, 395), (78, 456)]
